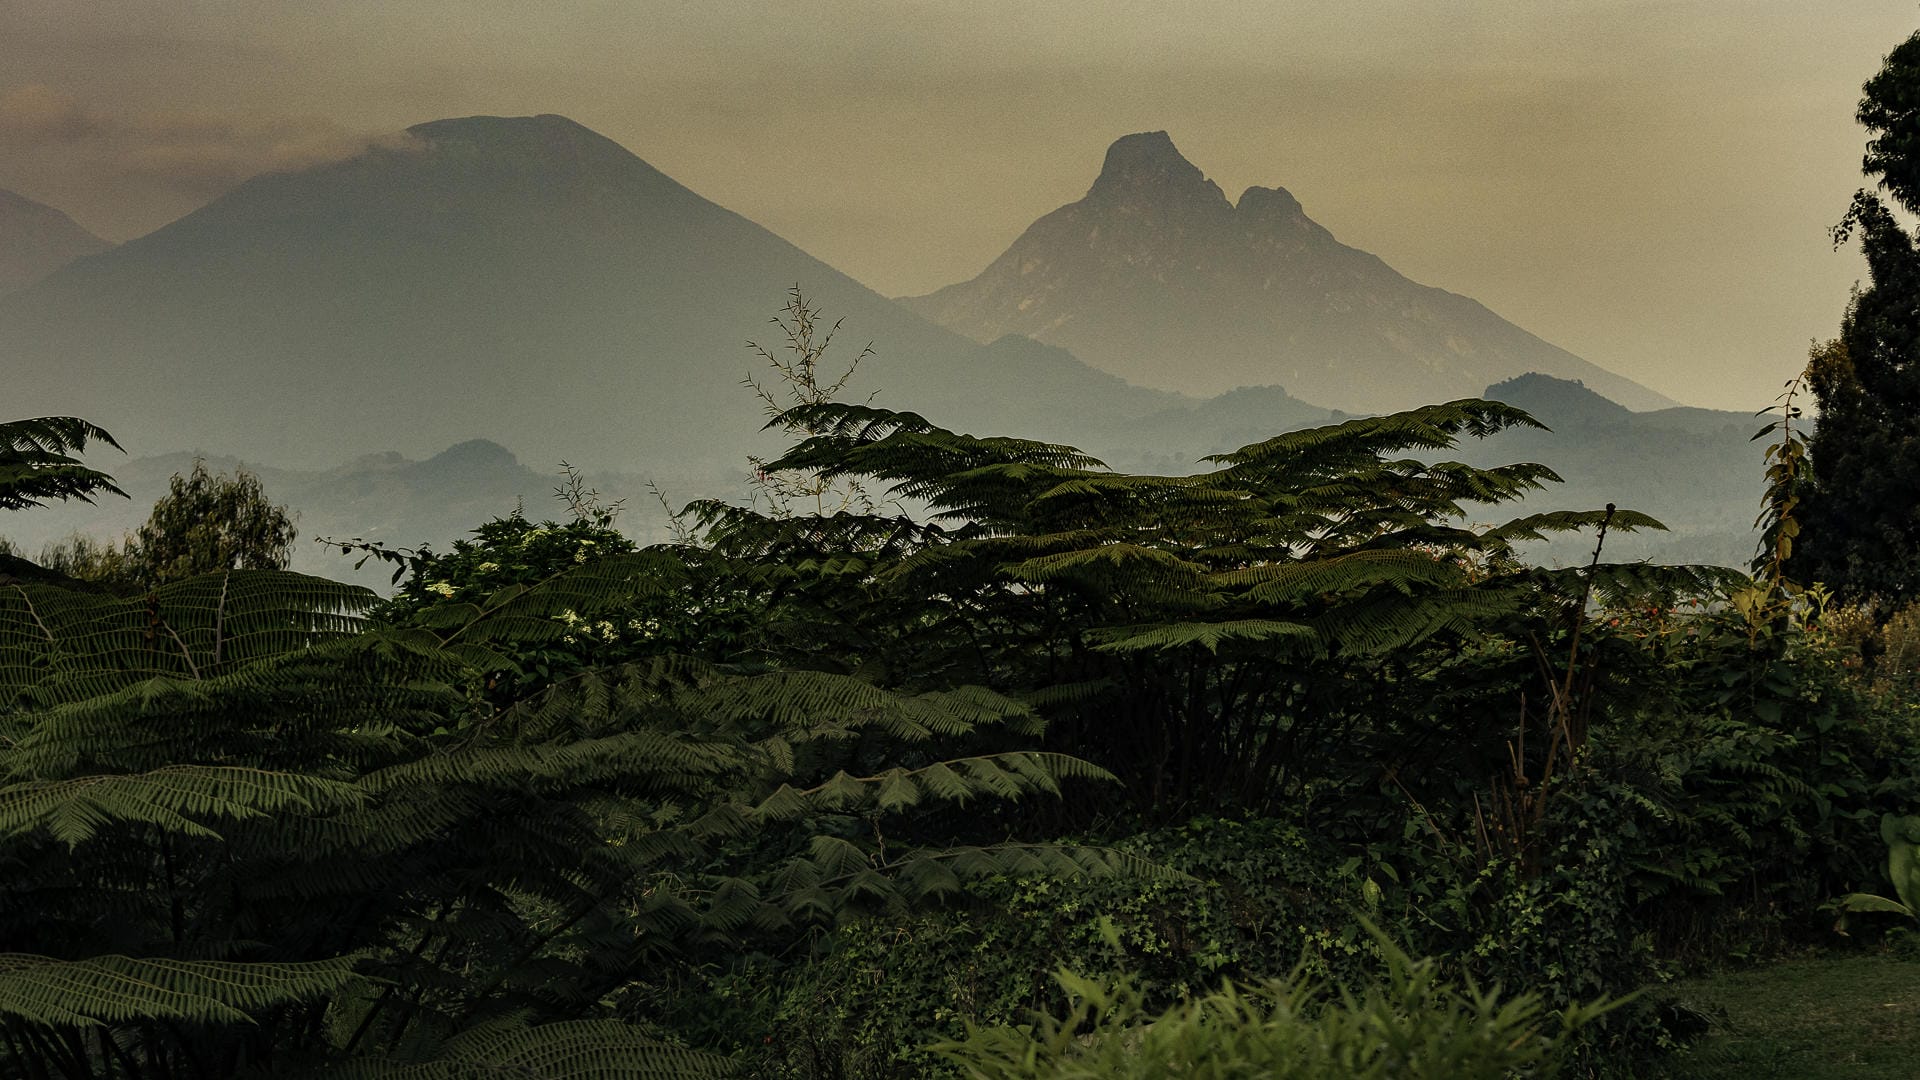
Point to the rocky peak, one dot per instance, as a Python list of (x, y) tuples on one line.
[(1146, 169), (1155, 276), (1270, 203)]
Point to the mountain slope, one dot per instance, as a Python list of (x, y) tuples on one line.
[(36, 240), (519, 278), (1697, 470), (1157, 277)]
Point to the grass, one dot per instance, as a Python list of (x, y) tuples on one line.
[(1852, 1017)]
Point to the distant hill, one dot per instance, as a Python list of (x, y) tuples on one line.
[(523, 290), (518, 277), (1697, 470), (1692, 468), (1155, 276), (36, 240), (385, 497)]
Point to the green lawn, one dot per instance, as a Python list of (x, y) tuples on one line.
[(1851, 1017)]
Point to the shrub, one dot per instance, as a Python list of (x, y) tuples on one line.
[(1411, 1026)]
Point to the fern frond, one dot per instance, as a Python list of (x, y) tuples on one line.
[(121, 989), (1345, 574), (567, 1050), (37, 462), (1539, 526), (58, 645), (958, 780), (1431, 427), (1294, 638), (170, 798)]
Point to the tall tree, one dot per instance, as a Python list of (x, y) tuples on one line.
[(1862, 516), (207, 522)]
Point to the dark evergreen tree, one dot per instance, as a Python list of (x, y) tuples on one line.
[(1862, 512)]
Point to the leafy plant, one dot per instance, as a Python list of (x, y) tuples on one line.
[(1901, 833), (204, 523), (1412, 1025), (248, 829), (38, 462), (1203, 636)]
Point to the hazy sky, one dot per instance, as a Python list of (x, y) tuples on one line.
[(1645, 183)]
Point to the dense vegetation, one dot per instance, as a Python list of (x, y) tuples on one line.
[(941, 755), (1866, 453), (825, 782)]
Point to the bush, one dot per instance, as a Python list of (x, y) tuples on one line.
[(1254, 898), (1412, 1026)]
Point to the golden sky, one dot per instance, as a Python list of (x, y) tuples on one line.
[(1645, 183)]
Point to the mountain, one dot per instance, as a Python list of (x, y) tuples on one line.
[(36, 240), (1157, 277), (518, 278), (1696, 470), (526, 291)]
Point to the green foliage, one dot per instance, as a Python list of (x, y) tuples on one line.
[(1861, 535), (38, 462), (1891, 114), (1773, 598), (684, 603), (1901, 834), (744, 802), (1246, 899), (207, 522), (240, 771), (106, 990), (565, 1050), (1412, 1025), (1201, 636), (83, 558), (1728, 787)]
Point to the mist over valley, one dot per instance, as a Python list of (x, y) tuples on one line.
[(526, 281)]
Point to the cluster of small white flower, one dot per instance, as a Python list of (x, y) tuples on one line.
[(580, 628)]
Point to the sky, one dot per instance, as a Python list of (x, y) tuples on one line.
[(1647, 184)]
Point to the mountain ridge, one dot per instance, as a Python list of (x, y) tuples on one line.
[(37, 239), (363, 302)]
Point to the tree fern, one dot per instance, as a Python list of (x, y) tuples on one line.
[(1206, 607), (245, 778), (38, 462), (114, 990)]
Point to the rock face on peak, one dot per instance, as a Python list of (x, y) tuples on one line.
[(36, 240), (1157, 277), (1145, 173)]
